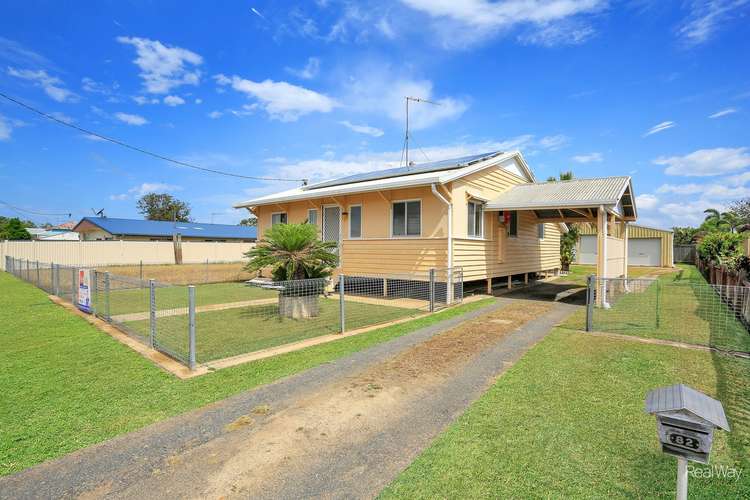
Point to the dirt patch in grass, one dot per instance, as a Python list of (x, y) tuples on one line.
[(254, 459)]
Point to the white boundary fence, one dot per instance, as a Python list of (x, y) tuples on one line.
[(105, 253)]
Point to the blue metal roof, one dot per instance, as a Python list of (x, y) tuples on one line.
[(419, 168), (138, 227)]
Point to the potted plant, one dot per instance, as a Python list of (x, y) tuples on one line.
[(299, 264)]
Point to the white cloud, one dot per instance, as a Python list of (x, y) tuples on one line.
[(688, 213), (723, 112), (163, 67), (462, 23), (51, 85), (562, 33), (145, 188), (118, 197), (5, 129), (646, 201), (310, 71), (199, 101), (62, 117), (142, 100), (588, 158), (659, 127), (173, 100), (707, 17), (553, 142), (137, 120), (681, 188), (94, 87), (706, 162), (377, 88), (281, 100), (215, 114), (363, 129), (330, 166), (386, 28)]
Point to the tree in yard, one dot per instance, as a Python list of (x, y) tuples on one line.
[(564, 176), (684, 235), (162, 206), (293, 252), (250, 221), (720, 221), (568, 240), (13, 229)]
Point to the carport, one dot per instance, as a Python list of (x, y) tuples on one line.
[(607, 202)]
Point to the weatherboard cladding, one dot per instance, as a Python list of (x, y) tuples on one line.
[(574, 193), (681, 397), (137, 227)]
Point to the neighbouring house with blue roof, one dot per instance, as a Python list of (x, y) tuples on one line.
[(110, 228)]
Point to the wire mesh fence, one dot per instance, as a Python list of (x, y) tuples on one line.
[(207, 322), (686, 310)]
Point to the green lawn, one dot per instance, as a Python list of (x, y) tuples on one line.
[(66, 385), (229, 332), (137, 300), (567, 421), (579, 273), (688, 310)]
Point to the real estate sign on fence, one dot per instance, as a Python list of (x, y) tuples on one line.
[(102, 253)]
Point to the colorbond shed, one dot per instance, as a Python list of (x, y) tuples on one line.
[(648, 246)]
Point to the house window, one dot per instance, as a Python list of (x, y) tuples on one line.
[(513, 224), (476, 219), (407, 218), (312, 216), (278, 218), (355, 221), (540, 231)]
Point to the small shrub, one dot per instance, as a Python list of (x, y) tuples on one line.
[(722, 249)]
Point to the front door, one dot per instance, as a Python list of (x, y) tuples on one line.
[(332, 224)]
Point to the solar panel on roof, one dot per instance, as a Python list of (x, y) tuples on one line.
[(419, 168)]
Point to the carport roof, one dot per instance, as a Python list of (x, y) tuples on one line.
[(614, 193)]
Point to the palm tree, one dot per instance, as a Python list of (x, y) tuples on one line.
[(570, 238), (293, 252), (719, 220)]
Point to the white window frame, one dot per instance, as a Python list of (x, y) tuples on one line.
[(480, 235), (361, 221), (541, 231), (393, 202), (314, 210), (279, 213)]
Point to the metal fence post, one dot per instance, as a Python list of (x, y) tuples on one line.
[(73, 285), (191, 327), (94, 292), (53, 278), (106, 296), (342, 307), (38, 276), (590, 291), (28, 270), (151, 312), (658, 293), (432, 289)]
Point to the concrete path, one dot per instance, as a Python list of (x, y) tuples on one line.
[(343, 429)]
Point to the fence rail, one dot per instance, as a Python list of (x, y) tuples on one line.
[(207, 322)]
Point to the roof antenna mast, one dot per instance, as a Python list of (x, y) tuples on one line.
[(406, 139)]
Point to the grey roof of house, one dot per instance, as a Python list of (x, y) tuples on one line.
[(419, 168), (681, 397), (573, 193)]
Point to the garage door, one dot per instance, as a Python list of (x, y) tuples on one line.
[(587, 249), (644, 252)]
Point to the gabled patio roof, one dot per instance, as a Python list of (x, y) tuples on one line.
[(576, 200)]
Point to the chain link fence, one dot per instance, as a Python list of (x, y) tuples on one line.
[(685, 310), (207, 322)]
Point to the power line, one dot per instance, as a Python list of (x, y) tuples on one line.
[(19, 209), (144, 151)]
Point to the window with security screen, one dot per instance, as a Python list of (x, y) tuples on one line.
[(406, 218)]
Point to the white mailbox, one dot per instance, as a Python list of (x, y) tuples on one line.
[(685, 420)]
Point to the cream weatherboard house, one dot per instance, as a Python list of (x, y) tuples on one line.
[(485, 214)]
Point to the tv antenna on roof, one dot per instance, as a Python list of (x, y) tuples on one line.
[(100, 213), (406, 139)]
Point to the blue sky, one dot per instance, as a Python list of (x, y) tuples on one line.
[(658, 90)]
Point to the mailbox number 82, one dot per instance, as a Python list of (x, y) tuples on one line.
[(684, 441)]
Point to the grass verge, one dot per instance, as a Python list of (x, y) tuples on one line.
[(66, 385), (567, 421)]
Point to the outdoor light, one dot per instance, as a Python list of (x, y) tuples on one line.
[(685, 421)]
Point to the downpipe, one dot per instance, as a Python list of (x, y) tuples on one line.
[(449, 280)]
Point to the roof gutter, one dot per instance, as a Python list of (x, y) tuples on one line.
[(449, 287)]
